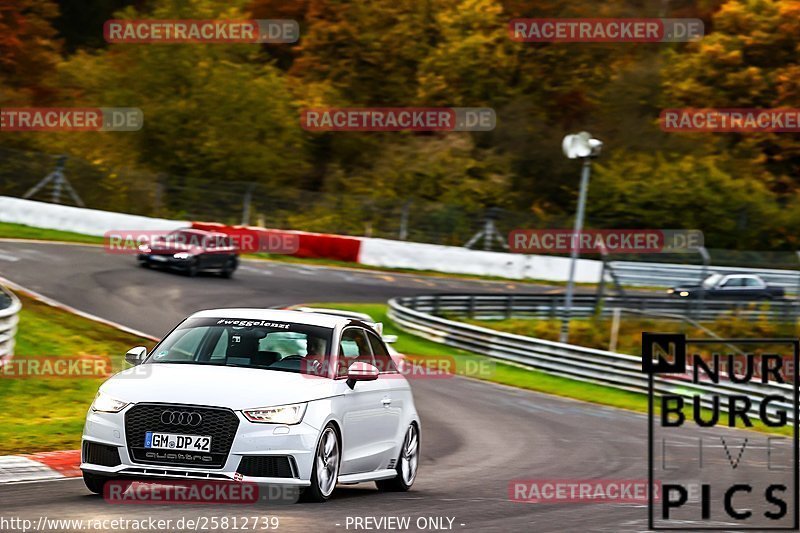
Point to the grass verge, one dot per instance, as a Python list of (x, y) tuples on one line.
[(47, 413), (596, 332), (18, 231)]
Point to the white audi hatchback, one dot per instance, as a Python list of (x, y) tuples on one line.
[(259, 395)]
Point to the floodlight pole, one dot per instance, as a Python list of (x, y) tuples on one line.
[(575, 244)]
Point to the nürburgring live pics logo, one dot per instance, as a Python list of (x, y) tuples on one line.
[(712, 476)]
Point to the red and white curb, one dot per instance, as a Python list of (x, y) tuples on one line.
[(40, 466), (49, 465)]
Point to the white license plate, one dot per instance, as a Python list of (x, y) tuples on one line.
[(158, 258), (171, 441)]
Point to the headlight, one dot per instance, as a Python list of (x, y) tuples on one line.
[(683, 293), (107, 404), (282, 414), (670, 291), (182, 255), (144, 248)]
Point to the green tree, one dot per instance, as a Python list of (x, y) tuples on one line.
[(211, 111), (685, 192), (368, 51), (29, 51), (750, 60), (473, 63)]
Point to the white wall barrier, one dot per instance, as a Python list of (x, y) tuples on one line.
[(77, 219), (9, 318), (454, 260)]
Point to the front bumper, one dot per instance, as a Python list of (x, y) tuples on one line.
[(298, 442), (166, 261)]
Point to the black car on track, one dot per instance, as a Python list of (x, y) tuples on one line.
[(191, 251)]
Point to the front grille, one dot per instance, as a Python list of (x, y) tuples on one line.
[(173, 474), (266, 466), (100, 454), (218, 423)]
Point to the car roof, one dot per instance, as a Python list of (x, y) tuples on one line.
[(201, 232), (277, 315), (337, 312)]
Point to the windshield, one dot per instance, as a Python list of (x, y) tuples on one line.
[(711, 280), (185, 238), (247, 343)]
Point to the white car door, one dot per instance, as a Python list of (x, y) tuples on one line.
[(398, 394), (368, 428)]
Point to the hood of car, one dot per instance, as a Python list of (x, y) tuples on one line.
[(173, 247), (221, 386), (686, 288)]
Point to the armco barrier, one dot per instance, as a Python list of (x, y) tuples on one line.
[(9, 318), (635, 274), (457, 260), (620, 371), (552, 306)]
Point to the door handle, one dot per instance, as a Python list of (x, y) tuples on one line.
[(386, 401)]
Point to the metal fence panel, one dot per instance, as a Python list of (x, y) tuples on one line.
[(620, 371)]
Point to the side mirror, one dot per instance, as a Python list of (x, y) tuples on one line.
[(389, 339), (135, 356), (359, 371)]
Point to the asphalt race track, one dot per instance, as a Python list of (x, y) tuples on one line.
[(476, 436)]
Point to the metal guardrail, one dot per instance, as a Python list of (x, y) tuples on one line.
[(551, 306), (620, 371), (9, 318), (639, 274)]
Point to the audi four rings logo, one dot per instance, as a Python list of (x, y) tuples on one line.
[(181, 418)]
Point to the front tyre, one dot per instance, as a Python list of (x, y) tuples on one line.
[(229, 268), (192, 269), (94, 482), (97, 484), (325, 472), (406, 466)]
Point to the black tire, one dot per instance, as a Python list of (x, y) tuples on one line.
[(144, 264), (192, 270), (95, 483), (399, 483), (228, 270), (314, 494)]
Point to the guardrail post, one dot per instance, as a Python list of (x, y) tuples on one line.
[(797, 295), (510, 306), (436, 304), (471, 309), (612, 343)]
